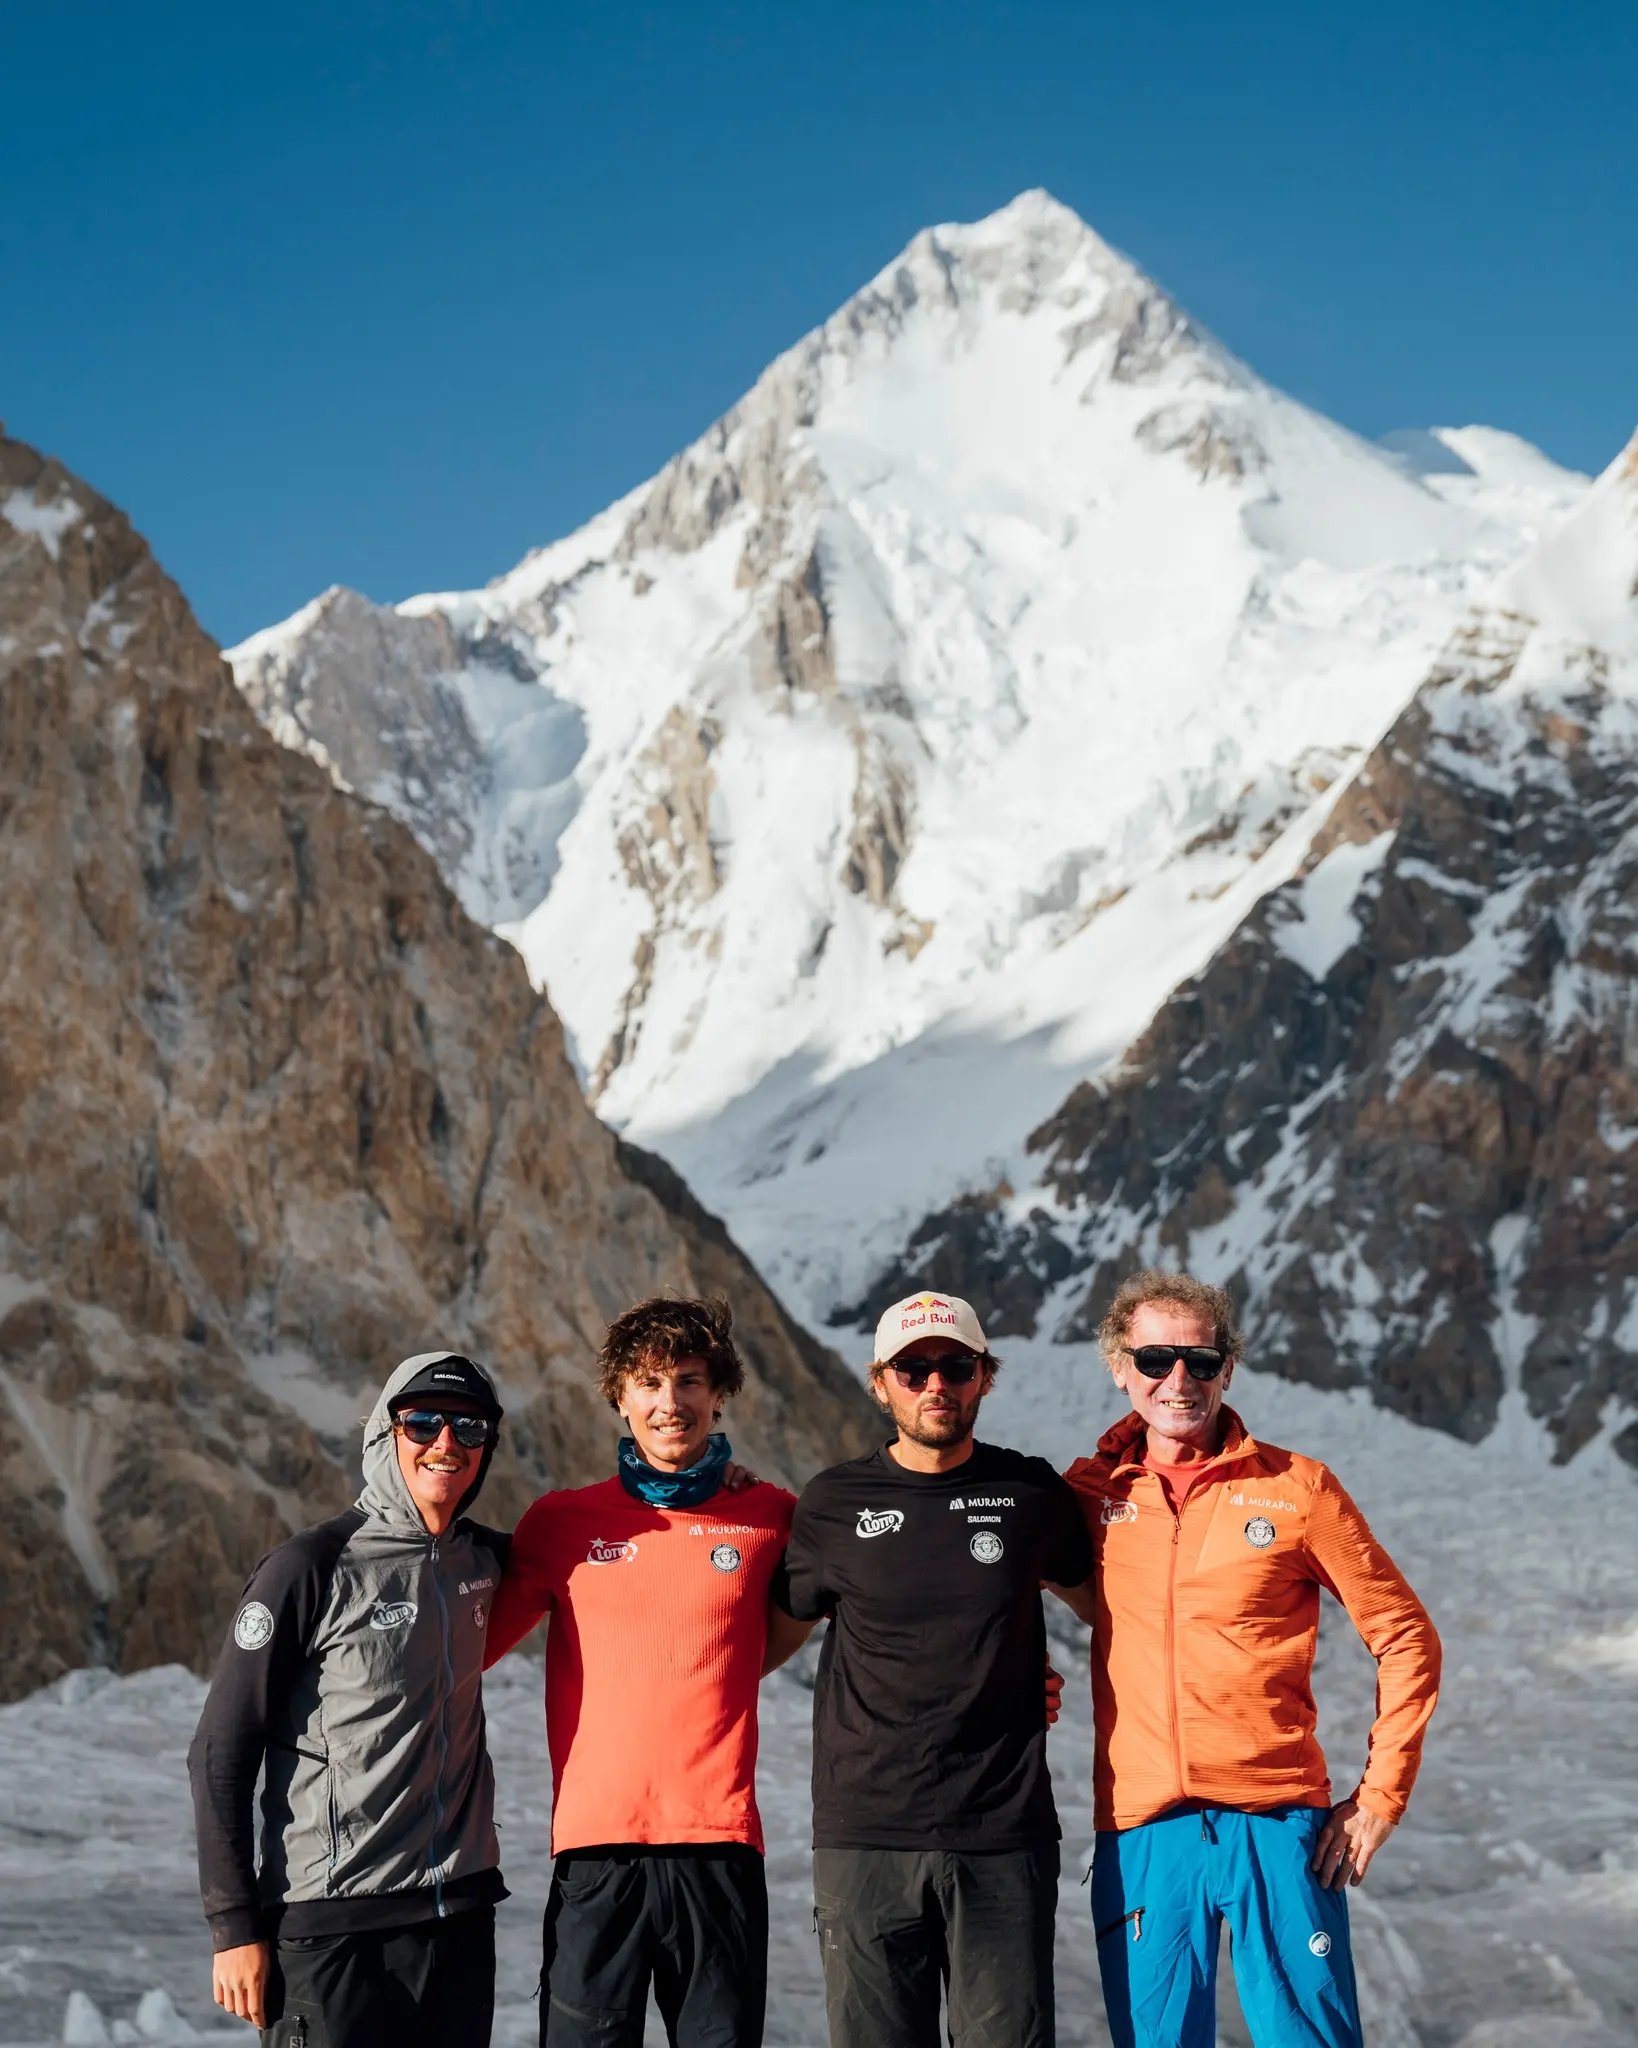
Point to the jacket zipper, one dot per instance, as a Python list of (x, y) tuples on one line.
[(1171, 1652), (443, 1738), (331, 1815)]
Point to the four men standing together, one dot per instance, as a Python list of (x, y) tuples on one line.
[(1197, 1554)]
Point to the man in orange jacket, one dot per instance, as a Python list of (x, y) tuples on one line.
[(1211, 1799)]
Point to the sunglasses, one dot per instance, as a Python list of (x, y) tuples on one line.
[(954, 1372), (1200, 1361), (426, 1425)]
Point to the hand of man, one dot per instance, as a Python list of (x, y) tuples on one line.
[(238, 1981), (1054, 1693), (736, 1477), (1347, 1842)]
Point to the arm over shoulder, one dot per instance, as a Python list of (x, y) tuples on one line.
[(1397, 1631), (1070, 1555), (800, 1584), (525, 1589)]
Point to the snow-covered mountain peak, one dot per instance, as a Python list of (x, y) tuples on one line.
[(923, 359), (950, 690)]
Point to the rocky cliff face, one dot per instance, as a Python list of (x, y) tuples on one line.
[(1397, 1110), (274, 1112)]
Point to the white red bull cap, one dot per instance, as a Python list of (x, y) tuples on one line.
[(927, 1315)]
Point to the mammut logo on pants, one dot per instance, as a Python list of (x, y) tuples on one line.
[(879, 1521)]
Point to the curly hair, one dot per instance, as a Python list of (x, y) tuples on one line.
[(1169, 1290), (665, 1330)]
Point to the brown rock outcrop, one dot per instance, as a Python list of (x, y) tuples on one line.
[(273, 1113)]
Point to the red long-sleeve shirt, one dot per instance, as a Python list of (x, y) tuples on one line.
[(659, 1623)]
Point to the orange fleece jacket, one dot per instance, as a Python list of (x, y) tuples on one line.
[(1203, 1651)]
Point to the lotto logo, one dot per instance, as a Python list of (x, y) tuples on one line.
[(879, 1522)]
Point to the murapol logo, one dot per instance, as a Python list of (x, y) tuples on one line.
[(602, 1552), (392, 1614), (879, 1521)]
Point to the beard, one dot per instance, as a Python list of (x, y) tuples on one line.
[(937, 1429)]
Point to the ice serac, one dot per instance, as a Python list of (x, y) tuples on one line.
[(274, 1113), (937, 710), (1399, 1106)]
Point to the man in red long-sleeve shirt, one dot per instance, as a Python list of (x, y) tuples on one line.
[(656, 1584)]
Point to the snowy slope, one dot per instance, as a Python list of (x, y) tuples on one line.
[(875, 770)]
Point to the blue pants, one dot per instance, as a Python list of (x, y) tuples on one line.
[(1159, 1896)]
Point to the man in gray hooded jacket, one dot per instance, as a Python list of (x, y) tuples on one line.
[(352, 1676)]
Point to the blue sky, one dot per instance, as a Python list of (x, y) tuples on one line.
[(385, 294)]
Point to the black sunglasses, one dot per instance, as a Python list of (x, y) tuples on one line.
[(426, 1425), (954, 1372), (1200, 1361)]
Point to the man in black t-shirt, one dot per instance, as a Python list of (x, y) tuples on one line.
[(935, 1835)]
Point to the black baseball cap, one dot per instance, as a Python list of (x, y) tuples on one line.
[(449, 1374)]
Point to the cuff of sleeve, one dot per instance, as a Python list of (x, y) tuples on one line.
[(235, 1928), (1381, 1804)]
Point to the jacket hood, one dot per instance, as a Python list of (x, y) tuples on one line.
[(385, 1495)]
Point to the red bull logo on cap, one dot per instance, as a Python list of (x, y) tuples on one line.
[(928, 1311)]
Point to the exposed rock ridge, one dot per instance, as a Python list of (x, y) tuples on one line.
[(274, 1112)]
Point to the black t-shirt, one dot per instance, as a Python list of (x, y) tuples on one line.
[(929, 1718)]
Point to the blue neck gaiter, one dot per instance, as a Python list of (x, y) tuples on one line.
[(675, 1489)]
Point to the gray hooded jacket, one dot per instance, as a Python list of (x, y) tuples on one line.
[(352, 1675)]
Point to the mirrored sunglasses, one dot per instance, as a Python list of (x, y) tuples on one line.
[(426, 1425)]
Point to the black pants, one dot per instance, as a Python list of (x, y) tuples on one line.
[(692, 1919), (427, 1986), (898, 1925)]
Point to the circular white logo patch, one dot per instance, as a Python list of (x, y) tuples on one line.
[(986, 1546), (1259, 1532), (1319, 1944), (480, 1613), (726, 1558), (254, 1626)]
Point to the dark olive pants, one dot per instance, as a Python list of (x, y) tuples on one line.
[(427, 1986), (897, 1927), (690, 1920)]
